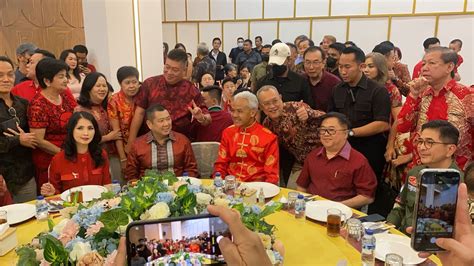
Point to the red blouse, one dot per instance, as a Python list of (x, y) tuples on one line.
[(65, 174)]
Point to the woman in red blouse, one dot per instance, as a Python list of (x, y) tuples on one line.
[(82, 162), (121, 108), (93, 99), (48, 114)]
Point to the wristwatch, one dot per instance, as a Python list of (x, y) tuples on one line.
[(351, 133)]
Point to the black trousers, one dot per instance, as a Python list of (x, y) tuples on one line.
[(286, 164)]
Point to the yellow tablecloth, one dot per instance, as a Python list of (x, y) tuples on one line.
[(306, 242)]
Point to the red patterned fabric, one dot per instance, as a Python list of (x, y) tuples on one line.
[(44, 114)]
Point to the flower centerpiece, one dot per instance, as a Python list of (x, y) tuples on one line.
[(89, 233)]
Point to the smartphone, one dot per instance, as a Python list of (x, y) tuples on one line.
[(435, 208), (372, 218), (152, 242)]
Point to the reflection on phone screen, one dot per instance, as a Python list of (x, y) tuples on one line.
[(436, 209), (194, 240)]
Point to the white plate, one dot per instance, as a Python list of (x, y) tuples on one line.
[(389, 243), (269, 190), (17, 213), (192, 180), (89, 192), (317, 210)]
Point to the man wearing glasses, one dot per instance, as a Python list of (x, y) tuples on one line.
[(24, 52), (16, 167), (436, 144), (337, 171), (295, 124)]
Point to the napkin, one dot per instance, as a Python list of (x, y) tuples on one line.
[(3, 228)]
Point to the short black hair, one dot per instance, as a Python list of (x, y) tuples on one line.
[(276, 41), (241, 89), (81, 49), (350, 43), (125, 72), (240, 38), (7, 60), (150, 111), (389, 43), (469, 177), (88, 84), (270, 46), (259, 37), (383, 48), (456, 41), (248, 40), (47, 68), (399, 52), (358, 53), (310, 42), (45, 53), (224, 81), (166, 48), (216, 39), (313, 49), (178, 55), (341, 118), (215, 92), (430, 41), (448, 133), (180, 45), (338, 46)]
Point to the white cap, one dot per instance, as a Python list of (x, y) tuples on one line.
[(279, 53)]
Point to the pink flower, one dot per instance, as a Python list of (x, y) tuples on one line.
[(94, 229), (44, 263), (110, 260), (69, 232)]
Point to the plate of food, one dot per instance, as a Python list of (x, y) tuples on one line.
[(89, 192), (269, 190)]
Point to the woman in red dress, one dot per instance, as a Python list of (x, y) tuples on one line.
[(93, 99), (82, 162), (48, 114)]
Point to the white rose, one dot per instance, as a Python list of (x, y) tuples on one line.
[(59, 227), (203, 198), (221, 202), (79, 250), (266, 240), (159, 211)]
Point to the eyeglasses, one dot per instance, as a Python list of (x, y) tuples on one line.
[(330, 131), (312, 63), (270, 103), (428, 143), (12, 113)]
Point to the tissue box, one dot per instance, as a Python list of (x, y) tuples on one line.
[(8, 241)]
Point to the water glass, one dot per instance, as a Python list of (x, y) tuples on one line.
[(292, 196), (392, 259), (355, 229), (230, 184)]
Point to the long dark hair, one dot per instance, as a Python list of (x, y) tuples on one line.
[(95, 149), (89, 83), (76, 72)]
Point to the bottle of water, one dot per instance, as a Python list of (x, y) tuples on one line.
[(218, 182), (41, 209), (300, 207), (116, 188), (261, 197), (368, 248)]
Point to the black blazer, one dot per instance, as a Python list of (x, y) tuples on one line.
[(220, 63)]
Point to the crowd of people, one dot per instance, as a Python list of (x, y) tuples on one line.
[(331, 120)]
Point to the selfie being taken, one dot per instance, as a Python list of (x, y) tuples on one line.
[(237, 132)]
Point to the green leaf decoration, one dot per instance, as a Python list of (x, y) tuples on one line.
[(54, 252), (26, 256), (239, 207), (107, 195), (182, 191), (114, 218), (271, 209), (51, 224)]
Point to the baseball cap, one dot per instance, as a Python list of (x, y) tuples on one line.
[(279, 53), (26, 48)]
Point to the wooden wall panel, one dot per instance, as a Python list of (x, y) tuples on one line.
[(53, 25)]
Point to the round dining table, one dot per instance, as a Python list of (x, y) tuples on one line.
[(306, 242)]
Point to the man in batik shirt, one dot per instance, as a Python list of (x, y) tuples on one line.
[(295, 124), (248, 150), (436, 96)]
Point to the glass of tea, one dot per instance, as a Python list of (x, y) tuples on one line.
[(3, 217), (76, 195), (335, 220)]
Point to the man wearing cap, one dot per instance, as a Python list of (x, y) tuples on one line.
[(24, 52), (292, 88)]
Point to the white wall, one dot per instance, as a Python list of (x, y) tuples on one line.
[(110, 36), (354, 20)]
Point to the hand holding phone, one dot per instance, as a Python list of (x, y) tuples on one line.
[(435, 208)]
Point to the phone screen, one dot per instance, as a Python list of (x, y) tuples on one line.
[(193, 239), (436, 209)]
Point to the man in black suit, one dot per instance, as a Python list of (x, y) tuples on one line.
[(219, 57)]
